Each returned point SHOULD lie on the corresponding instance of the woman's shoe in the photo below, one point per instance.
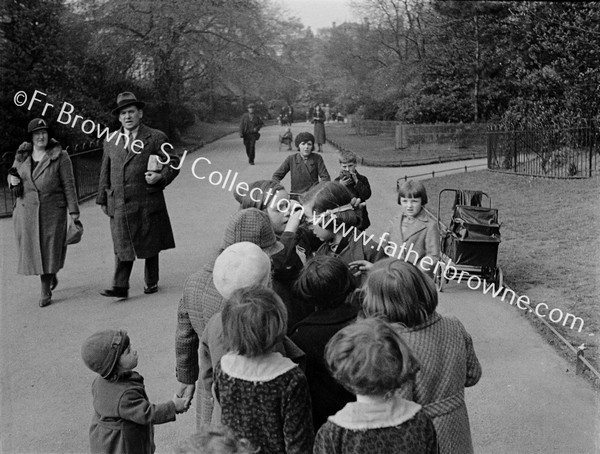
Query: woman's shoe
(46, 299)
(54, 282)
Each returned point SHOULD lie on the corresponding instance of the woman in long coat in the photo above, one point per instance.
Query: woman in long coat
(319, 122)
(45, 190)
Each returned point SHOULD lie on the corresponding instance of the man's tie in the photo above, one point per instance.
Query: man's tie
(129, 141)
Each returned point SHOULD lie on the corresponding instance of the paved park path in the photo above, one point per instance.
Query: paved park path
(528, 400)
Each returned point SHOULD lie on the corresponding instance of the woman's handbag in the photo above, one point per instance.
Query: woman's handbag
(74, 232)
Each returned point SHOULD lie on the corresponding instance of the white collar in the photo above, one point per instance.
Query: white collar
(133, 132)
(362, 416)
(261, 368)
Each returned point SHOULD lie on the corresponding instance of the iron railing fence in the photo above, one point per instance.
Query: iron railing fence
(86, 159)
(555, 153)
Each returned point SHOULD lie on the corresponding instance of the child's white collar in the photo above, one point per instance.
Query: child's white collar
(363, 416)
(262, 368)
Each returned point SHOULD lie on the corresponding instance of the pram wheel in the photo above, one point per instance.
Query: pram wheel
(439, 280)
(498, 277)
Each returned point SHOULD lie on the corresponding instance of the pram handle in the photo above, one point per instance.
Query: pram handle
(456, 192)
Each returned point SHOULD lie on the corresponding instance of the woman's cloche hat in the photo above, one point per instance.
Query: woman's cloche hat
(36, 124)
(101, 351)
(127, 99)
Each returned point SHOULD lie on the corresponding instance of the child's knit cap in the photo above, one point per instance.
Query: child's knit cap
(254, 226)
(304, 137)
(101, 351)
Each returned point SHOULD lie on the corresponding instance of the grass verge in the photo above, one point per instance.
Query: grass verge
(550, 245)
(201, 133)
(379, 150)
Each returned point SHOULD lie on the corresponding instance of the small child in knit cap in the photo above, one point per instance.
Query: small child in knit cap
(123, 416)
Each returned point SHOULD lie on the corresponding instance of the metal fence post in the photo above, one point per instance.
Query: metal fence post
(579, 366)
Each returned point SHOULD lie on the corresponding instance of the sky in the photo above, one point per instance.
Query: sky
(319, 13)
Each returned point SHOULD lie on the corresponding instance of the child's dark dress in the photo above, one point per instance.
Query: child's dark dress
(123, 417)
(396, 426)
(265, 400)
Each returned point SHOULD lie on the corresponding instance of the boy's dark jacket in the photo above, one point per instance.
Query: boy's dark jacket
(362, 190)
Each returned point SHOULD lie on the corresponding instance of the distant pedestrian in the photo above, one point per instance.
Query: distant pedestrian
(249, 131)
(306, 168)
(398, 292)
(123, 416)
(130, 193)
(318, 120)
(44, 193)
(371, 360)
(287, 115)
(327, 110)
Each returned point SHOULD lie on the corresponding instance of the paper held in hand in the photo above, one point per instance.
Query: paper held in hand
(153, 164)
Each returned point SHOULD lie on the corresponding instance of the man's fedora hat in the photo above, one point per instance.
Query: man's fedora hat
(127, 99)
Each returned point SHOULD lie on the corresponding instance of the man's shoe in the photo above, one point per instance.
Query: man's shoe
(151, 289)
(45, 300)
(115, 292)
(251, 163)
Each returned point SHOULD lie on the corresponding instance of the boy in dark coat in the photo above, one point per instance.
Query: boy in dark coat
(305, 167)
(123, 417)
(357, 184)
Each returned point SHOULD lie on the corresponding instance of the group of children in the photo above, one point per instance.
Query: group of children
(381, 372)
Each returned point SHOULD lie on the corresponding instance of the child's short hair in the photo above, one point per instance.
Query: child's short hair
(305, 137)
(254, 321)
(398, 292)
(328, 196)
(325, 282)
(347, 157)
(370, 358)
(215, 440)
(412, 189)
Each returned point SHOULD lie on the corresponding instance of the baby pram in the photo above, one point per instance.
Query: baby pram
(470, 243)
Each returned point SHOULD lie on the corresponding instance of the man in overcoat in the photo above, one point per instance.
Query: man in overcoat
(137, 165)
(249, 131)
